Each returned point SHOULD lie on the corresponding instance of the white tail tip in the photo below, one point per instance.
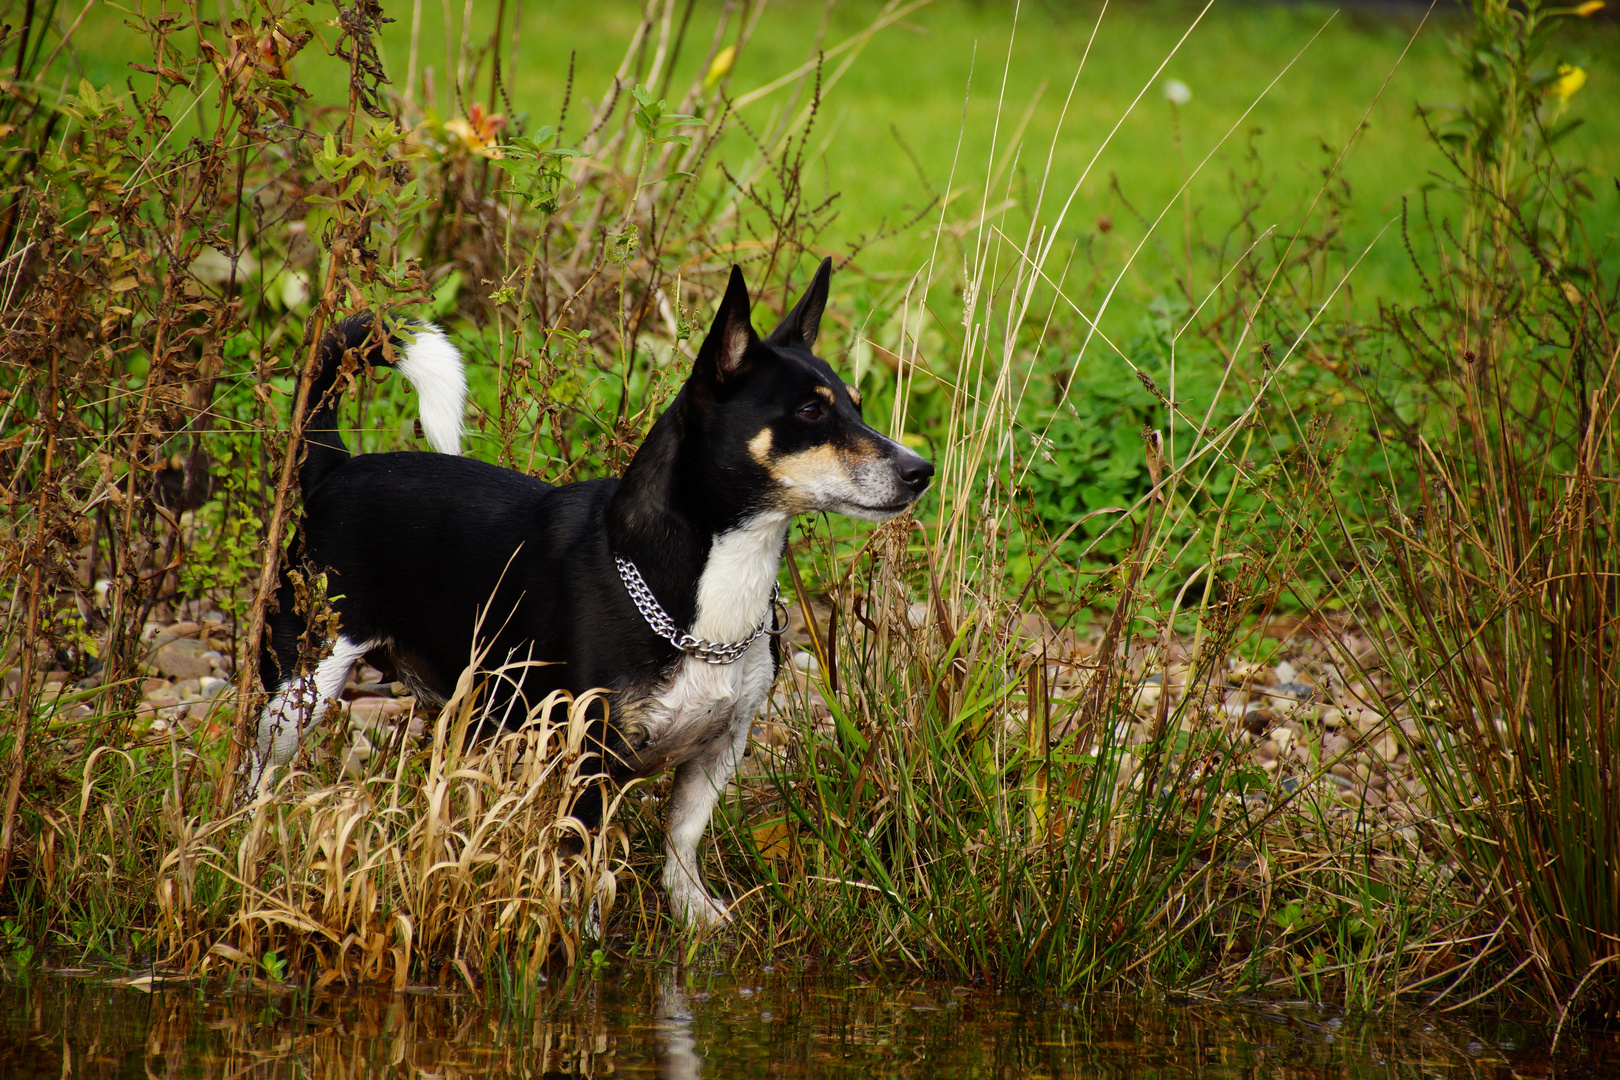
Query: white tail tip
(433, 366)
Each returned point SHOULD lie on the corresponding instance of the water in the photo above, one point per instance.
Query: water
(650, 1022)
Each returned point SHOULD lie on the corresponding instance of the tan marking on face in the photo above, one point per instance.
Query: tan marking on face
(808, 475)
(826, 394)
(854, 395)
(760, 446)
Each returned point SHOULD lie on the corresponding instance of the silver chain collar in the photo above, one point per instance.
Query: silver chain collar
(710, 652)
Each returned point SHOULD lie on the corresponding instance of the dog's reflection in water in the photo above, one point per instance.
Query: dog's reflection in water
(676, 1047)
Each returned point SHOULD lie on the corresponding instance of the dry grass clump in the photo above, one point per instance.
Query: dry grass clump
(445, 862)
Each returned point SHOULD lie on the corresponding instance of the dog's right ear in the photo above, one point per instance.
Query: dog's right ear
(724, 353)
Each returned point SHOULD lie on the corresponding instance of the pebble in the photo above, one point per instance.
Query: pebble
(183, 658)
(213, 686)
(806, 662)
(1243, 674)
(772, 734)
(1365, 720)
(917, 615)
(1147, 696)
(355, 757)
(1296, 691)
(1286, 672)
(1386, 748)
(173, 632)
(371, 713)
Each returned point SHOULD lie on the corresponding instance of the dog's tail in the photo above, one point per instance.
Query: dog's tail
(420, 352)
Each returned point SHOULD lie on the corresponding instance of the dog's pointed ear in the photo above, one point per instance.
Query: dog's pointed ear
(724, 353)
(803, 323)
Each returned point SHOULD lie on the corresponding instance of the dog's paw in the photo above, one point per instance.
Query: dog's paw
(695, 909)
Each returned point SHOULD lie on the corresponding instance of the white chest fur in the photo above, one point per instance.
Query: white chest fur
(706, 702)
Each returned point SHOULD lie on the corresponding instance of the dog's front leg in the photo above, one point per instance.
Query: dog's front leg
(698, 784)
(296, 708)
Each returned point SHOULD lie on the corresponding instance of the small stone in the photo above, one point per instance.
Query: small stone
(174, 632)
(219, 661)
(153, 686)
(1386, 748)
(182, 658)
(355, 757)
(188, 689)
(917, 615)
(1283, 737)
(1267, 753)
(806, 662)
(1334, 746)
(774, 735)
(212, 686)
(1293, 691)
(1365, 720)
(1243, 674)
(1259, 721)
(371, 713)
(1286, 672)
(1332, 718)
(1147, 696)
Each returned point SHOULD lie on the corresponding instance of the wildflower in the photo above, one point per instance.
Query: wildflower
(478, 131)
(1176, 92)
(1570, 79)
(1588, 9)
(721, 65)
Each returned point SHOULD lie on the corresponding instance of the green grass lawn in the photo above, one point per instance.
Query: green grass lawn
(937, 104)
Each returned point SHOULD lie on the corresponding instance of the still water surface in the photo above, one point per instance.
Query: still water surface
(653, 1022)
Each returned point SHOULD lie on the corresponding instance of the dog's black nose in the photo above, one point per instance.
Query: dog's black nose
(915, 472)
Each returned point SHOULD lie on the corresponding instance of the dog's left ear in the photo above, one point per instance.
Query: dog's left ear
(724, 353)
(803, 323)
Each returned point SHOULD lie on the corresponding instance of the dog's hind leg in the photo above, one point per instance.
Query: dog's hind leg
(297, 706)
(698, 784)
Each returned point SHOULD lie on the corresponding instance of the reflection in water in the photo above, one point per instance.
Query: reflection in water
(658, 1022)
(677, 1047)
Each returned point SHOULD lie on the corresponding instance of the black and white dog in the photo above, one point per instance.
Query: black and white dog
(657, 586)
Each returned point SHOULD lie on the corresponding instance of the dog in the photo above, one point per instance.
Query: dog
(657, 587)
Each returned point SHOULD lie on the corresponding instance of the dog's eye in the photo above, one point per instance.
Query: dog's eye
(813, 410)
